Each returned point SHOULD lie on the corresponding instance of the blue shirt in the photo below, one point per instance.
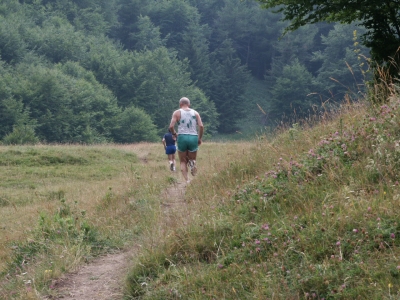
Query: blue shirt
(169, 139)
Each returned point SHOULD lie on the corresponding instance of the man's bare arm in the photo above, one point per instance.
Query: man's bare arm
(201, 127)
(174, 119)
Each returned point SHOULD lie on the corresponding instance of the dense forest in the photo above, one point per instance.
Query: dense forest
(93, 71)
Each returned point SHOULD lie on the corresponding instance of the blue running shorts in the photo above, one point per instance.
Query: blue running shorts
(170, 149)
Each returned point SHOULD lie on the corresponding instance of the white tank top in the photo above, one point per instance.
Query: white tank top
(188, 122)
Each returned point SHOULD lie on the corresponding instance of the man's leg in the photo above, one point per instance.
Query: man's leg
(192, 162)
(183, 163)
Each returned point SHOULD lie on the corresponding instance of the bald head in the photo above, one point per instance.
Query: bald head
(184, 101)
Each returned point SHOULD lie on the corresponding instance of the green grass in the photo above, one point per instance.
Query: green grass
(310, 214)
(64, 204)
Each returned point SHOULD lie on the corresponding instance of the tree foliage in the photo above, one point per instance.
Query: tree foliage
(290, 94)
(380, 18)
(134, 125)
(229, 83)
(95, 71)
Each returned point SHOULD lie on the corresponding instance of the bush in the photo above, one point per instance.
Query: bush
(21, 135)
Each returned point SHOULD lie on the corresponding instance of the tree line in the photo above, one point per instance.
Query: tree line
(113, 70)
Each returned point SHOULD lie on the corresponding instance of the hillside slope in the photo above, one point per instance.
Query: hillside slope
(310, 214)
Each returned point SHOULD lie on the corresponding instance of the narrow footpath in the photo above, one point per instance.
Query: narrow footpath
(104, 277)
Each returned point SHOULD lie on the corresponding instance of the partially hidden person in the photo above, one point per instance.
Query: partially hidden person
(170, 148)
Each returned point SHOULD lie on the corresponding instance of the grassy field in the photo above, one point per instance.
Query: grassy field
(62, 205)
(309, 213)
(312, 213)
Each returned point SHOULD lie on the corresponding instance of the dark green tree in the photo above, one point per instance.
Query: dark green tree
(172, 17)
(67, 108)
(208, 10)
(158, 82)
(343, 63)
(251, 30)
(133, 126)
(290, 93)
(92, 16)
(195, 48)
(229, 82)
(295, 45)
(14, 116)
(57, 40)
(380, 18)
(148, 36)
(128, 13)
(12, 44)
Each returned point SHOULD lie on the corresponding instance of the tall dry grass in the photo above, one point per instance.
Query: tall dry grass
(310, 213)
(116, 191)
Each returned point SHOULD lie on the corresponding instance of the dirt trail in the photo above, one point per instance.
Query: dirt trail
(103, 278)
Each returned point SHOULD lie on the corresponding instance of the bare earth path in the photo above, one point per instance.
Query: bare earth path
(103, 278)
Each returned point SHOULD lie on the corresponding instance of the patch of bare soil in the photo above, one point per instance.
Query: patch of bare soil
(103, 278)
(100, 279)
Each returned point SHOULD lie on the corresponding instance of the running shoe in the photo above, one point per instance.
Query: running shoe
(172, 167)
(193, 167)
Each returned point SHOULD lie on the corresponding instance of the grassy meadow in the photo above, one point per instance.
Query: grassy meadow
(311, 212)
(62, 205)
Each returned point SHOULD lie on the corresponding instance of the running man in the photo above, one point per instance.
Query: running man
(189, 139)
(170, 148)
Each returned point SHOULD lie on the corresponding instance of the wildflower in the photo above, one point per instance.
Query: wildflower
(257, 242)
(355, 230)
(398, 268)
(243, 244)
(265, 227)
(220, 266)
(258, 249)
(338, 243)
(392, 236)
